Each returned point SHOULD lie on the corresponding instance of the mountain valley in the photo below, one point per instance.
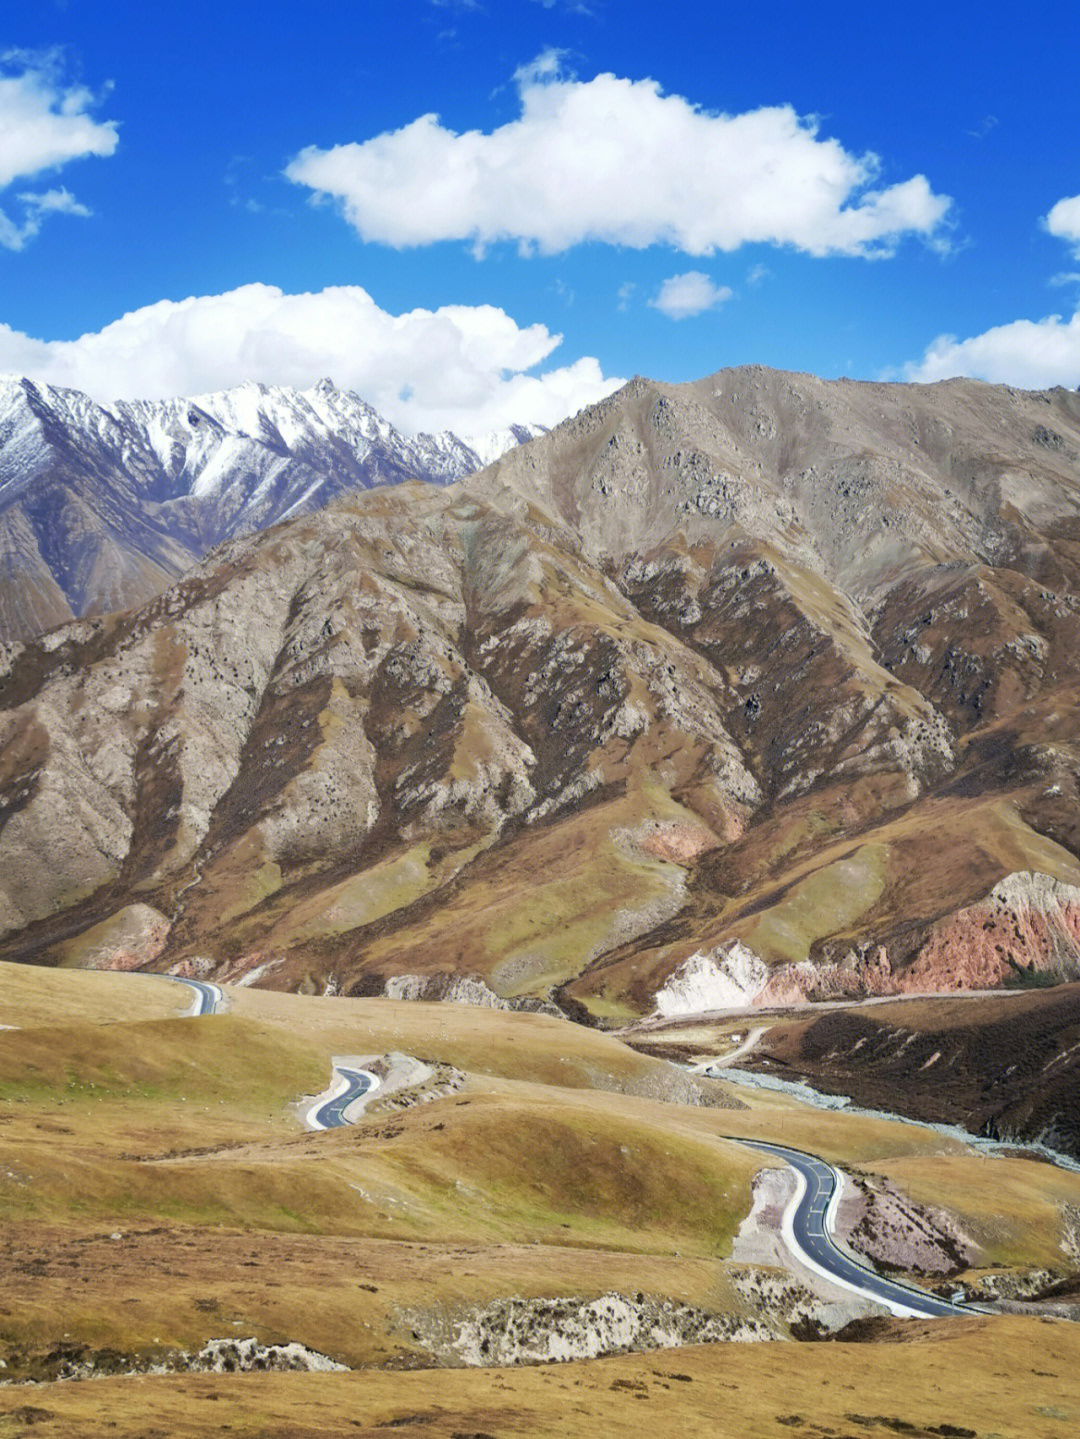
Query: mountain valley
(721, 740)
(569, 1230)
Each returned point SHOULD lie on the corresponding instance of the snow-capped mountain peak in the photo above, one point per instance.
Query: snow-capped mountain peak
(492, 446)
(102, 505)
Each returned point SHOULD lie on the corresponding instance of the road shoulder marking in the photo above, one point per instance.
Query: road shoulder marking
(787, 1230)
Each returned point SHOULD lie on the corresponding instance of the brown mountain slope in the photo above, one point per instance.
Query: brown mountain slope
(1007, 1066)
(761, 687)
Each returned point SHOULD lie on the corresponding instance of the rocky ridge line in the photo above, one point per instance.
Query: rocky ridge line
(103, 506)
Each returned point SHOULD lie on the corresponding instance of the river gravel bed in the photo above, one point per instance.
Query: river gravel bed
(807, 1094)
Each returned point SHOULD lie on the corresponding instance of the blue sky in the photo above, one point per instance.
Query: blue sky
(670, 188)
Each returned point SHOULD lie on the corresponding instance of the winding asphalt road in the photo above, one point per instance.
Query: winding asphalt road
(808, 1222)
(331, 1114)
(207, 996)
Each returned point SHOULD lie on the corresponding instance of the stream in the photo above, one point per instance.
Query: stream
(806, 1094)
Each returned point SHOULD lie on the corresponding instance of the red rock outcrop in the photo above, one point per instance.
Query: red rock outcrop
(679, 843)
(1029, 924)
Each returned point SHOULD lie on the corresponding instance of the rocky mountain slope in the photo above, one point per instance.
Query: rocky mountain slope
(762, 687)
(103, 506)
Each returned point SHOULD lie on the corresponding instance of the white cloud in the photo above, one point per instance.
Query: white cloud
(572, 7)
(691, 294)
(983, 128)
(54, 202)
(1064, 222)
(618, 161)
(35, 206)
(1031, 354)
(44, 125)
(467, 368)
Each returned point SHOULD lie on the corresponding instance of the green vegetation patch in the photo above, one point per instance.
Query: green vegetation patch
(827, 902)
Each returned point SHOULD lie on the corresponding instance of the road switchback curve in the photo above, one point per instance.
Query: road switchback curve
(809, 1224)
(208, 997)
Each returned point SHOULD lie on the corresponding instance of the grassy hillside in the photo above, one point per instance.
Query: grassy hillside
(968, 1379)
(157, 1191)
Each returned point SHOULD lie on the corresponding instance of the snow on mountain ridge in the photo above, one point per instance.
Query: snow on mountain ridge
(139, 490)
(492, 446)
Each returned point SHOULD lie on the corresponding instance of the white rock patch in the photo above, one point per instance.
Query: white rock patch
(728, 977)
(241, 1356)
(468, 990)
(550, 1331)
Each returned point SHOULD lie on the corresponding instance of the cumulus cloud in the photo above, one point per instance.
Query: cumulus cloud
(1064, 222)
(618, 161)
(1031, 354)
(45, 123)
(467, 368)
(691, 294)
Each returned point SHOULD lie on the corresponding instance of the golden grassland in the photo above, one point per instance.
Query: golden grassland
(30, 996)
(178, 1137)
(996, 1379)
(160, 1288)
(156, 1190)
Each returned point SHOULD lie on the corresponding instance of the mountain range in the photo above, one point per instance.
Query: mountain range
(746, 691)
(103, 506)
